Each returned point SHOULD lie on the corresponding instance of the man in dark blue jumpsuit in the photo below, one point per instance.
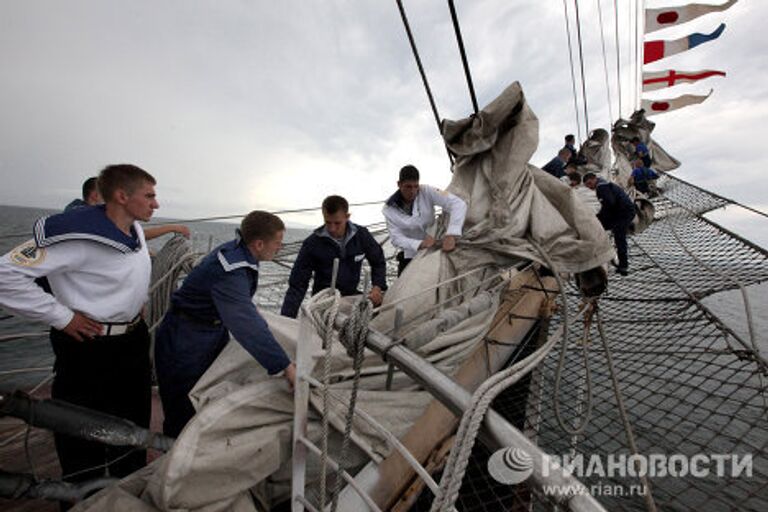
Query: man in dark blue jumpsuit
(337, 238)
(216, 299)
(616, 213)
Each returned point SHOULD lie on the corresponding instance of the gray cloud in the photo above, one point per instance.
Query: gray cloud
(236, 105)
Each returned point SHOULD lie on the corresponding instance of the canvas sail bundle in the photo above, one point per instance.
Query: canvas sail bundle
(239, 443)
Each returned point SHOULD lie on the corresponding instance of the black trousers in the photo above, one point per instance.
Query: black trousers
(402, 262)
(110, 375)
(619, 228)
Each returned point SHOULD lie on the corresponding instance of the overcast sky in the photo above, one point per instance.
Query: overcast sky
(238, 105)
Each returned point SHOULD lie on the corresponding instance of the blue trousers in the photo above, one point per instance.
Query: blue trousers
(184, 350)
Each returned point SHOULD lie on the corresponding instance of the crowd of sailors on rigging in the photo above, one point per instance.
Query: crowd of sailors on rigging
(616, 208)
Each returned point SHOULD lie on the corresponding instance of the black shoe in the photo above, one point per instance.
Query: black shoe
(622, 270)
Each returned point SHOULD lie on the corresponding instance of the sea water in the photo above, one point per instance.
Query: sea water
(32, 352)
(25, 362)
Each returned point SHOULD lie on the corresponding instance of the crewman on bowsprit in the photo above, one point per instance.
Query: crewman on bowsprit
(216, 299)
(643, 178)
(616, 213)
(641, 151)
(98, 267)
(411, 210)
(337, 238)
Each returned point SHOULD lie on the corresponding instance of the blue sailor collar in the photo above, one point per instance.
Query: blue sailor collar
(351, 231)
(234, 254)
(85, 223)
(395, 200)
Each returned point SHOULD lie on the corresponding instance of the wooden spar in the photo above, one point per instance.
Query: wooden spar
(437, 423)
(393, 476)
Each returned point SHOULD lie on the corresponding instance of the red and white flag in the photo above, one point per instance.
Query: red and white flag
(656, 19)
(652, 107)
(655, 80)
(655, 50)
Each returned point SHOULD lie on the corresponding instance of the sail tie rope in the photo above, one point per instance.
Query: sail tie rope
(650, 504)
(353, 335)
(323, 308)
(564, 347)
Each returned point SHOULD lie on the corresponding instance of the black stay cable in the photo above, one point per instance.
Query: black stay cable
(460, 41)
(618, 49)
(421, 70)
(573, 73)
(581, 61)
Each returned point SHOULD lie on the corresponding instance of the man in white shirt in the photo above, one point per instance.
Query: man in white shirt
(411, 210)
(98, 267)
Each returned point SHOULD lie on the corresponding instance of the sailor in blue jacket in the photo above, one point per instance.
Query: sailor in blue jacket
(641, 151)
(616, 213)
(216, 299)
(643, 178)
(337, 238)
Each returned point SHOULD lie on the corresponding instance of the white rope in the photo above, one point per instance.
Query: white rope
(353, 335)
(482, 398)
(472, 419)
(323, 307)
(648, 496)
(563, 348)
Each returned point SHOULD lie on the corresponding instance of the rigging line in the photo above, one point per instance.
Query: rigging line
(277, 212)
(581, 62)
(573, 73)
(631, 53)
(423, 74)
(639, 32)
(221, 217)
(618, 49)
(605, 63)
(463, 53)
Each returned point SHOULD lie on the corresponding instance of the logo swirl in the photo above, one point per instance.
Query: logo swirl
(510, 465)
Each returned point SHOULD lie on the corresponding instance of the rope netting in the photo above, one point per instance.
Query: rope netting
(693, 390)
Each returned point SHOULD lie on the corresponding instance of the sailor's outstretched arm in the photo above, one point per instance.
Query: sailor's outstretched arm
(151, 232)
(232, 298)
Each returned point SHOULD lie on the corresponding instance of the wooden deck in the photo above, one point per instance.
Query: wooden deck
(42, 460)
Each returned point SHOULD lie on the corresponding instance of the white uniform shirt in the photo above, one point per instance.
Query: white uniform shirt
(99, 281)
(407, 231)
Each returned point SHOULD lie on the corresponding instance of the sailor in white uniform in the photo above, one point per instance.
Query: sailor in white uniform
(411, 210)
(96, 261)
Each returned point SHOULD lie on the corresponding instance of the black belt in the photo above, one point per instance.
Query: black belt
(195, 318)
